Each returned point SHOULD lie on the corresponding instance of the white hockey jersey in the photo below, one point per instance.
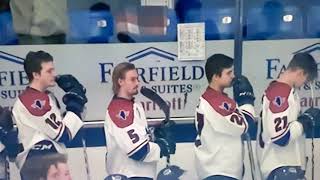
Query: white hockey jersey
(220, 124)
(38, 118)
(280, 137)
(129, 150)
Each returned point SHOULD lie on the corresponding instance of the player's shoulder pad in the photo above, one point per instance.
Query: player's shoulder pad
(121, 112)
(219, 102)
(36, 102)
(278, 94)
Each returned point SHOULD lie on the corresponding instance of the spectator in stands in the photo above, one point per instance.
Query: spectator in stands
(40, 22)
(142, 24)
(124, 17)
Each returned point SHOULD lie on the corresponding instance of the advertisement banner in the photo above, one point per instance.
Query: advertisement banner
(180, 83)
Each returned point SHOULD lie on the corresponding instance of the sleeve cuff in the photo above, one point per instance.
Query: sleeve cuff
(73, 122)
(296, 129)
(249, 108)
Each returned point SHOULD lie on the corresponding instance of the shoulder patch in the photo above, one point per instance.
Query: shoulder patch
(121, 112)
(278, 94)
(219, 102)
(36, 102)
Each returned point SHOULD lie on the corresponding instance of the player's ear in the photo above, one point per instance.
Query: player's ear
(36, 75)
(120, 81)
(300, 73)
(214, 77)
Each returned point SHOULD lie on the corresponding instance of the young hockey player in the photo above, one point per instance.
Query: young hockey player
(129, 149)
(42, 128)
(281, 138)
(220, 122)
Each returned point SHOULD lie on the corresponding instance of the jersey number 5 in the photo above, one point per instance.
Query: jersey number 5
(133, 136)
(281, 123)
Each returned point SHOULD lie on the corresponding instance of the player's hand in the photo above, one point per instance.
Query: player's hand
(13, 148)
(167, 146)
(243, 91)
(75, 99)
(310, 118)
(167, 124)
(8, 136)
(165, 130)
(6, 122)
(67, 82)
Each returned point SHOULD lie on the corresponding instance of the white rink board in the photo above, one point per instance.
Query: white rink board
(184, 158)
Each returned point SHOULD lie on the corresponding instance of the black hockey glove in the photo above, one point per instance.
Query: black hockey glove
(167, 146)
(310, 118)
(6, 122)
(13, 147)
(243, 91)
(75, 99)
(8, 136)
(165, 130)
(67, 82)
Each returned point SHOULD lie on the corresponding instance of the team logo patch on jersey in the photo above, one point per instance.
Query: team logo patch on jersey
(38, 104)
(123, 114)
(225, 106)
(278, 101)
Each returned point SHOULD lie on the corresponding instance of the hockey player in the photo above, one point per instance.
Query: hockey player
(281, 146)
(42, 128)
(129, 149)
(52, 167)
(220, 121)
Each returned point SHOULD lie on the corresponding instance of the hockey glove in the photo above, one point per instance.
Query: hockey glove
(6, 122)
(8, 136)
(67, 82)
(167, 146)
(310, 118)
(75, 99)
(165, 130)
(12, 145)
(243, 91)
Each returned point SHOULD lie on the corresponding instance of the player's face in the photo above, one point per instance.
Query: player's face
(130, 83)
(52, 173)
(301, 78)
(226, 78)
(47, 75)
(63, 172)
(59, 172)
